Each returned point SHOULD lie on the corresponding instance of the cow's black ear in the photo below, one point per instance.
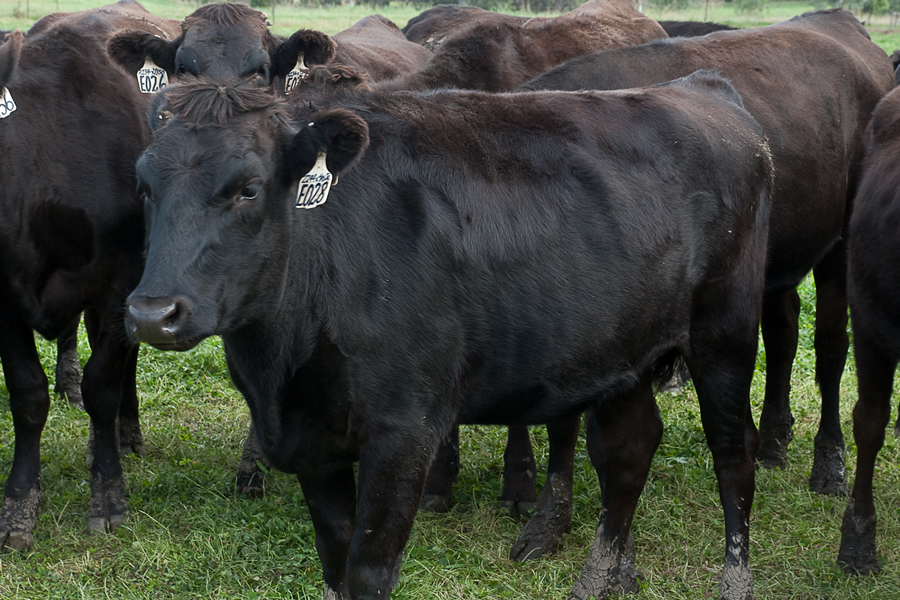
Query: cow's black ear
(9, 55)
(318, 49)
(342, 134)
(131, 48)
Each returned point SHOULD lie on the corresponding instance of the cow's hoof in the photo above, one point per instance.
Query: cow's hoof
(108, 524)
(607, 570)
(435, 503)
(774, 438)
(131, 440)
(518, 510)
(858, 555)
(68, 379)
(828, 474)
(18, 518)
(897, 431)
(551, 521)
(16, 541)
(250, 483)
(108, 508)
(737, 581)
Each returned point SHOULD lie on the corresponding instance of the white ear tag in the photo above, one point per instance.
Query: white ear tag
(151, 78)
(7, 105)
(297, 74)
(314, 186)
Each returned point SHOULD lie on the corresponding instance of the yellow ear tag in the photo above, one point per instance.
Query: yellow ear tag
(7, 105)
(314, 186)
(151, 78)
(297, 74)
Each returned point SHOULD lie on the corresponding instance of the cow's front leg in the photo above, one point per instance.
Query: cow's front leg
(29, 402)
(392, 471)
(331, 498)
(622, 435)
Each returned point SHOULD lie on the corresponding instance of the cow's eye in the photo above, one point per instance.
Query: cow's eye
(249, 193)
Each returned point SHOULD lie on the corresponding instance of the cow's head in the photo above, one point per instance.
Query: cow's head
(223, 42)
(221, 180)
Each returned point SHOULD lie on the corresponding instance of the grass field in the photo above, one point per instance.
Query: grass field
(189, 536)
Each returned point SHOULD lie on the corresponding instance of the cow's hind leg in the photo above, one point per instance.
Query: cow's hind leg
(29, 403)
(553, 517)
(779, 330)
(832, 343)
(722, 371)
(250, 477)
(443, 473)
(622, 435)
(519, 493)
(875, 373)
(68, 369)
(106, 374)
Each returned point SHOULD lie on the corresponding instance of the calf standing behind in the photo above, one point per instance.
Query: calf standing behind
(874, 290)
(510, 258)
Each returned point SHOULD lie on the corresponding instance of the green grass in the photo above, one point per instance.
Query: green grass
(188, 536)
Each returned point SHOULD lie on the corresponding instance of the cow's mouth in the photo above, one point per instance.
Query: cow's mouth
(179, 346)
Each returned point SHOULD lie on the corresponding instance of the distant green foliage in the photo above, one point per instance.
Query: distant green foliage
(861, 7)
(750, 7)
(670, 5)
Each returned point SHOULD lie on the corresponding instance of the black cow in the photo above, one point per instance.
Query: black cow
(71, 225)
(497, 52)
(510, 258)
(692, 28)
(812, 82)
(874, 290)
(224, 41)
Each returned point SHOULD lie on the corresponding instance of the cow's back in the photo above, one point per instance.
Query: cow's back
(377, 46)
(811, 82)
(499, 54)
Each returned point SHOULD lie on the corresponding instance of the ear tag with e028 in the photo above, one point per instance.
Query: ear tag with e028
(314, 186)
(296, 75)
(151, 78)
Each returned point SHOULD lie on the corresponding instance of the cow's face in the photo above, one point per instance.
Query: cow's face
(220, 181)
(224, 42)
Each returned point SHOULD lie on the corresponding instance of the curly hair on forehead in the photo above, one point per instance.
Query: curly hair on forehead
(200, 100)
(224, 13)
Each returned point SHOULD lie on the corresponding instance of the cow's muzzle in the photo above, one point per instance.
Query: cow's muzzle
(160, 322)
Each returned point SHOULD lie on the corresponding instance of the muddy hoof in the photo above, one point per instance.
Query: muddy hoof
(858, 555)
(773, 455)
(828, 474)
(551, 521)
(608, 569)
(435, 503)
(775, 434)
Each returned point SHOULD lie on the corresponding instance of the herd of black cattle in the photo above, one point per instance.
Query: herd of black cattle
(395, 232)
